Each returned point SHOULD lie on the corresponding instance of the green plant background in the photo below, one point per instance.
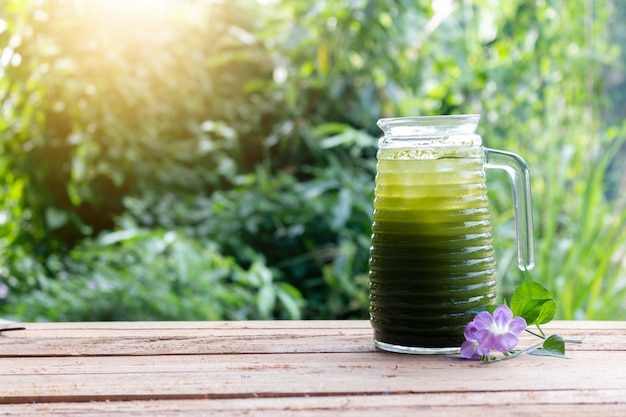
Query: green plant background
(206, 160)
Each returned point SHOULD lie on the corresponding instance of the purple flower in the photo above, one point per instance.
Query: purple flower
(488, 332)
(471, 348)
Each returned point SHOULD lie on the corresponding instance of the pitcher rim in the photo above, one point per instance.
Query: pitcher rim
(414, 125)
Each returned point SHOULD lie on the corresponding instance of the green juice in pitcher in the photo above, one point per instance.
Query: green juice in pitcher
(432, 256)
(432, 263)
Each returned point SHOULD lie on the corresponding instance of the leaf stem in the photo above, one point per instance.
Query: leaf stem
(540, 331)
(543, 336)
(9, 329)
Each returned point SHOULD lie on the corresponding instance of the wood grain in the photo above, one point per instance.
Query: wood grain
(293, 368)
(562, 403)
(163, 338)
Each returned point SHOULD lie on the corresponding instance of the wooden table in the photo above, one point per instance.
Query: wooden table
(301, 368)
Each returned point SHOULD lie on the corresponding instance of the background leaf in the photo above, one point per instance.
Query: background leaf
(255, 135)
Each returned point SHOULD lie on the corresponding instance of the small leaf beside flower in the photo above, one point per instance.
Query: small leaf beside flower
(552, 346)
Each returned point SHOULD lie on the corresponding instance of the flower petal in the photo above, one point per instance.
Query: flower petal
(485, 337)
(468, 350)
(483, 350)
(517, 325)
(470, 331)
(502, 316)
(483, 320)
(505, 342)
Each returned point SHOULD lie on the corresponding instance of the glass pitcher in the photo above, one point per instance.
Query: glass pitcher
(432, 262)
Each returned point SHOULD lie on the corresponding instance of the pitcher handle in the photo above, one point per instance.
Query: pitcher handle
(517, 169)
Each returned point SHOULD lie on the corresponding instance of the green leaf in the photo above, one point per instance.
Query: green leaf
(552, 346)
(290, 297)
(342, 210)
(555, 344)
(266, 301)
(533, 302)
(56, 218)
(547, 312)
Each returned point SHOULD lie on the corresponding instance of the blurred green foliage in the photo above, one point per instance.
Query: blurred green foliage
(215, 159)
(142, 275)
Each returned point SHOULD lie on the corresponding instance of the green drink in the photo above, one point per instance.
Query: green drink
(432, 261)
(432, 256)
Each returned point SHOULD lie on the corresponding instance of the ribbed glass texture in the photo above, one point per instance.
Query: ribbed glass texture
(432, 257)
(432, 264)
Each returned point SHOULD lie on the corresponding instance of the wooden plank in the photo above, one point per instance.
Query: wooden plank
(293, 368)
(275, 324)
(112, 326)
(25, 380)
(166, 342)
(608, 403)
(70, 339)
